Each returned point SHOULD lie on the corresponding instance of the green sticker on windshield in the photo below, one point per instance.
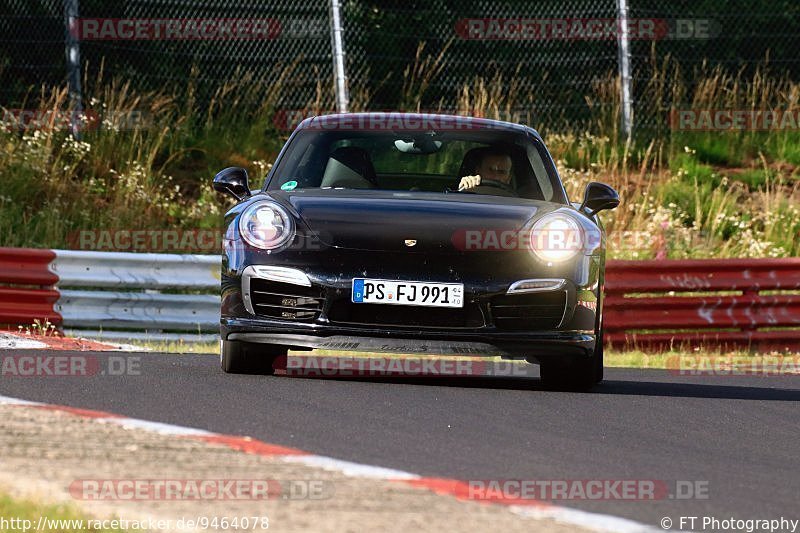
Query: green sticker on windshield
(289, 185)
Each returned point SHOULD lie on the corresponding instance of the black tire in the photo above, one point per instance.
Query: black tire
(238, 357)
(575, 374)
(599, 364)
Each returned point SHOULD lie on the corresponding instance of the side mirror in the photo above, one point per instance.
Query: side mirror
(232, 181)
(597, 197)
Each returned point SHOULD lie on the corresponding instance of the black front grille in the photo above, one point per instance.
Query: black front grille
(285, 300)
(346, 312)
(534, 311)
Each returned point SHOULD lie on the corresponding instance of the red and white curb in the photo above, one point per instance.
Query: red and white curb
(445, 487)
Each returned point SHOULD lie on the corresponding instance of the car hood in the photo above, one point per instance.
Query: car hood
(386, 220)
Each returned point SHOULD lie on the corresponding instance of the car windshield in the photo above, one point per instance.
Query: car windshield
(509, 163)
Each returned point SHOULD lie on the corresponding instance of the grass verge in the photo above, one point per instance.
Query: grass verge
(61, 518)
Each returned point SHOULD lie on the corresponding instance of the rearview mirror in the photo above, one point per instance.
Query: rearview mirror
(597, 197)
(232, 181)
(421, 145)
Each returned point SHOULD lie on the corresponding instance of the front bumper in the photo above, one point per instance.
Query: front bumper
(335, 325)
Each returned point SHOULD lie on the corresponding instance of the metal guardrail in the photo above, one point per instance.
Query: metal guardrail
(113, 309)
(130, 270)
(26, 286)
(658, 304)
(70, 289)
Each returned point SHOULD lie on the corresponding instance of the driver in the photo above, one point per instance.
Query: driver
(493, 167)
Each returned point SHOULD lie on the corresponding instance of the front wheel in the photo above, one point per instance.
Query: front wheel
(569, 375)
(239, 357)
(576, 374)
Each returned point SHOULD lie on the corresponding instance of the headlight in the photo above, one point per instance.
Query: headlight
(556, 237)
(266, 225)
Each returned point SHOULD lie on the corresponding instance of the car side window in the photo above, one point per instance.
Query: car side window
(306, 164)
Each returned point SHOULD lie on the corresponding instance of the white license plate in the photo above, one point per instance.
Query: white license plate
(382, 291)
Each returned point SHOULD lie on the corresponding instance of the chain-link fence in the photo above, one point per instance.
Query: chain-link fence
(736, 36)
(477, 57)
(32, 50)
(174, 46)
(547, 63)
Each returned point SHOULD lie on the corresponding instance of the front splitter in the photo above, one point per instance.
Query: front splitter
(577, 347)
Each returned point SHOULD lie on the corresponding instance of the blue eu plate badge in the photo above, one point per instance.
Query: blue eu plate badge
(358, 290)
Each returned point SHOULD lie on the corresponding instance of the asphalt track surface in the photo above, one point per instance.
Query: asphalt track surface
(740, 435)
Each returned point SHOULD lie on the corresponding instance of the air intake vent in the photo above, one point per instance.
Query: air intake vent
(285, 300)
(534, 311)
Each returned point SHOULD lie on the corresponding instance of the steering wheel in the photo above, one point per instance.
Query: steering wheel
(492, 184)
(462, 191)
(495, 185)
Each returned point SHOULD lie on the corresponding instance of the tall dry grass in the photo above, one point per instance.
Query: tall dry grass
(684, 194)
(143, 160)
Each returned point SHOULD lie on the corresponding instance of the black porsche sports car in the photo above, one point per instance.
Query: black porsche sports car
(421, 234)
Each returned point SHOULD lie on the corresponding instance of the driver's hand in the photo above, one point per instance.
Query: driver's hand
(469, 182)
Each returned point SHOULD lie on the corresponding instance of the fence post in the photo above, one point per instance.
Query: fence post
(337, 44)
(624, 65)
(72, 39)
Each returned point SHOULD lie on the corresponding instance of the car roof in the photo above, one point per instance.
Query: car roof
(475, 122)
